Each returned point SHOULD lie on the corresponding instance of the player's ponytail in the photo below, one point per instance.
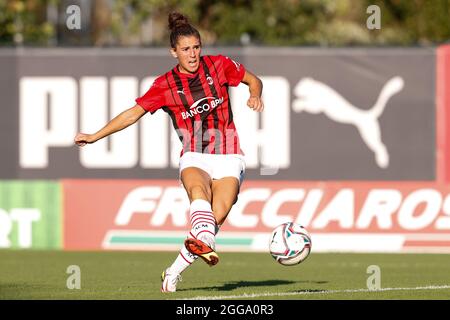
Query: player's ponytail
(179, 26)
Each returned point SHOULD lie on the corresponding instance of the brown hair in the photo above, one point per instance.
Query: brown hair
(179, 26)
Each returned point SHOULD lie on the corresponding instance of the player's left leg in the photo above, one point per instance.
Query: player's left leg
(224, 195)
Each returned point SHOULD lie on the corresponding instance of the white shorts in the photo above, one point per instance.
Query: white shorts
(216, 165)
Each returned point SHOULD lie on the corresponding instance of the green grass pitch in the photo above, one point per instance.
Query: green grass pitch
(30, 274)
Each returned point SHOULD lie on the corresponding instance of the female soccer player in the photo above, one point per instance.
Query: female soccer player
(195, 95)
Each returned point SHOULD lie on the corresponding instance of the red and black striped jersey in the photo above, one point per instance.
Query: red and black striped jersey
(199, 104)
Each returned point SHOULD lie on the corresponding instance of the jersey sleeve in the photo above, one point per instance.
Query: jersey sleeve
(153, 99)
(233, 71)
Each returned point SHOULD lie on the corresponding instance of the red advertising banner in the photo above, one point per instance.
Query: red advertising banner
(341, 216)
(443, 112)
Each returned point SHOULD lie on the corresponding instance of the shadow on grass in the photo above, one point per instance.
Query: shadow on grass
(242, 284)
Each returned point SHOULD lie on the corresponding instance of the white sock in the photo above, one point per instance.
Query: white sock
(183, 261)
(203, 223)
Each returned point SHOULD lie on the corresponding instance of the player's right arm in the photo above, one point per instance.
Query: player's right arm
(120, 122)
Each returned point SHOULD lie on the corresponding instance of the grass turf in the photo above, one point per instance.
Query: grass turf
(136, 275)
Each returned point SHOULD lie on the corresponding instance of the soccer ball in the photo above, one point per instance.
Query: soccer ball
(290, 244)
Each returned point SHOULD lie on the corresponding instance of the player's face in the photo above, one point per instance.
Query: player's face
(187, 52)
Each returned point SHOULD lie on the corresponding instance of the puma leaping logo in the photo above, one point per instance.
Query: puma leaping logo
(315, 97)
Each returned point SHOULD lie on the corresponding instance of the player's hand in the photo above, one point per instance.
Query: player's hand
(81, 139)
(255, 103)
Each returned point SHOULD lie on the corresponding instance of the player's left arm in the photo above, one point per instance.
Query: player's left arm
(255, 87)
